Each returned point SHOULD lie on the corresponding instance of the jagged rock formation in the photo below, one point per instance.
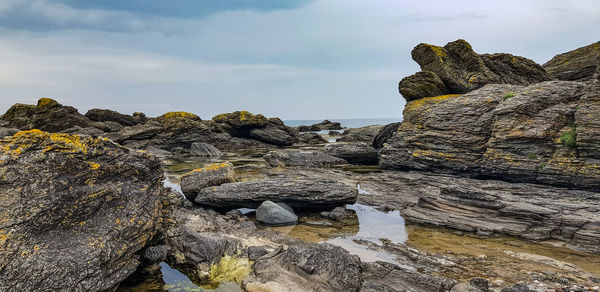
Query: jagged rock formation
(577, 65)
(47, 115)
(106, 115)
(247, 125)
(76, 211)
(456, 68)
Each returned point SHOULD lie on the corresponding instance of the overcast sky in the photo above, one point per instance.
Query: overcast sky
(296, 59)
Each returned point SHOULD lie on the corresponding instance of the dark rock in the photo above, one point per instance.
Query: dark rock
(106, 115)
(303, 128)
(363, 134)
(507, 132)
(301, 158)
(311, 139)
(356, 153)
(108, 126)
(156, 254)
(8, 131)
(246, 125)
(140, 117)
(421, 84)
(339, 214)
(334, 133)
(464, 287)
(577, 65)
(463, 70)
(481, 284)
(241, 119)
(384, 134)
(272, 135)
(327, 125)
(47, 115)
(517, 288)
(205, 150)
(275, 214)
(382, 276)
(100, 202)
(211, 175)
(89, 131)
(299, 193)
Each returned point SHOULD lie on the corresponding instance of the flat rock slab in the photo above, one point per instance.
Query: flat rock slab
(302, 159)
(298, 193)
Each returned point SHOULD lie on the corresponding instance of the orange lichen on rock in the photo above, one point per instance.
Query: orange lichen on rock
(427, 100)
(25, 140)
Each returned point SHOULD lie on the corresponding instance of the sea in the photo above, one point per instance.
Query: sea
(347, 123)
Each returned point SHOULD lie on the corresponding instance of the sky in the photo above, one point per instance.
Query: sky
(294, 59)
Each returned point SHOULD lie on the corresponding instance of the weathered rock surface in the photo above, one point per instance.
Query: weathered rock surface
(384, 134)
(273, 135)
(299, 193)
(542, 133)
(205, 150)
(276, 214)
(302, 158)
(363, 134)
(106, 115)
(311, 139)
(462, 70)
(577, 65)
(356, 153)
(47, 115)
(246, 125)
(328, 125)
(76, 212)
(338, 214)
(211, 175)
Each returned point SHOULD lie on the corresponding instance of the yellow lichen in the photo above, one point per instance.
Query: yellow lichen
(179, 114)
(210, 167)
(427, 100)
(94, 165)
(230, 269)
(24, 140)
(44, 101)
(439, 51)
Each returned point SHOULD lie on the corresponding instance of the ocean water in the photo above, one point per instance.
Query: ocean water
(348, 123)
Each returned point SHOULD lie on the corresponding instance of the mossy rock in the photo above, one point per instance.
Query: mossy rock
(242, 119)
(170, 116)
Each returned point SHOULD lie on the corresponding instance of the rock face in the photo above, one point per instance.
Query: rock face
(299, 193)
(384, 134)
(73, 204)
(205, 150)
(246, 125)
(324, 125)
(301, 158)
(211, 175)
(47, 115)
(275, 214)
(542, 133)
(355, 153)
(461, 70)
(577, 65)
(363, 134)
(311, 139)
(106, 115)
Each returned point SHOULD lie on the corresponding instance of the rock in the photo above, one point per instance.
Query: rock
(140, 117)
(108, 126)
(339, 214)
(421, 84)
(363, 134)
(307, 267)
(481, 284)
(205, 150)
(272, 135)
(577, 65)
(211, 175)
(106, 115)
(384, 134)
(298, 192)
(273, 214)
(541, 133)
(383, 276)
(334, 133)
(47, 115)
(241, 120)
(100, 202)
(464, 287)
(327, 125)
(281, 158)
(517, 288)
(463, 70)
(311, 139)
(356, 153)
(8, 131)
(303, 128)
(89, 131)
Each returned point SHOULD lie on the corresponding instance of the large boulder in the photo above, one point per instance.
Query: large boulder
(247, 125)
(106, 115)
(311, 139)
(281, 158)
(355, 153)
(327, 125)
(210, 175)
(298, 192)
(462, 70)
(205, 150)
(272, 135)
(47, 115)
(275, 214)
(363, 134)
(577, 65)
(76, 211)
(544, 133)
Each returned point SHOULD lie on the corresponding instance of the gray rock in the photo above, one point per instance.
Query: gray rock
(298, 192)
(338, 214)
(8, 131)
(89, 131)
(382, 276)
(577, 65)
(302, 158)
(275, 214)
(272, 135)
(421, 84)
(311, 139)
(464, 287)
(205, 150)
(363, 134)
(210, 175)
(106, 115)
(108, 126)
(355, 153)
(47, 115)
(384, 134)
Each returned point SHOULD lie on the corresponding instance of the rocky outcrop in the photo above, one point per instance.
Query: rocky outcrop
(355, 153)
(208, 176)
(542, 133)
(311, 139)
(276, 214)
(324, 125)
(384, 134)
(319, 193)
(577, 65)
(461, 70)
(76, 211)
(106, 115)
(363, 134)
(281, 158)
(199, 149)
(246, 125)
(47, 115)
